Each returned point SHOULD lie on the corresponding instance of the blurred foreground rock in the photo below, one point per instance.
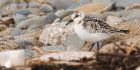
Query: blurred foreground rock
(9, 59)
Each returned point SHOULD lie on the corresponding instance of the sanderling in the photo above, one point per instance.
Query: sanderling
(92, 30)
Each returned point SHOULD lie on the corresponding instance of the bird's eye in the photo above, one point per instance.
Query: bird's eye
(76, 16)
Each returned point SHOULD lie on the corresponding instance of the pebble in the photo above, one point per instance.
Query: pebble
(46, 8)
(61, 4)
(25, 44)
(16, 32)
(33, 21)
(2, 27)
(12, 58)
(57, 48)
(114, 20)
(105, 2)
(23, 12)
(91, 7)
(73, 42)
(55, 33)
(18, 18)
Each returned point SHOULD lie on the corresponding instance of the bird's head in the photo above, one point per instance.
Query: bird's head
(76, 16)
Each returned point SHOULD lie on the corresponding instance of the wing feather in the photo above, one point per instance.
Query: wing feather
(96, 25)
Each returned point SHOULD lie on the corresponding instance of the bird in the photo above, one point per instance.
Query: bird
(91, 29)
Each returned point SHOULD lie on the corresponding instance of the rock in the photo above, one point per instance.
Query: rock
(16, 32)
(125, 3)
(9, 59)
(5, 13)
(28, 53)
(8, 44)
(91, 7)
(55, 33)
(73, 42)
(25, 44)
(35, 11)
(32, 16)
(64, 60)
(128, 45)
(67, 56)
(7, 21)
(133, 6)
(84, 1)
(107, 2)
(2, 27)
(134, 14)
(61, 4)
(29, 39)
(63, 13)
(138, 68)
(17, 5)
(129, 15)
(6, 32)
(97, 15)
(34, 4)
(114, 20)
(56, 48)
(23, 12)
(33, 27)
(46, 8)
(50, 18)
(18, 18)
(33, 21)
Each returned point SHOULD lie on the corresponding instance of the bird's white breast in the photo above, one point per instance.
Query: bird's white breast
(88, 36)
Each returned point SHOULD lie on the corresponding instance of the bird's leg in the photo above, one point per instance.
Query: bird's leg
(91, 47)
(98, 47)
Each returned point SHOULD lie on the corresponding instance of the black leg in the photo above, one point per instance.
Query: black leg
(91, 47)
(98, 47)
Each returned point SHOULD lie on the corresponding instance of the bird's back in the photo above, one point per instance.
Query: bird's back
(97, 25)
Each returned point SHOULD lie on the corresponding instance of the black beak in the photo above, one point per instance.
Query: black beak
(69, 21)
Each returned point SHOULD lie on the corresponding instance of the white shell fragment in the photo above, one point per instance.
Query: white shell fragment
(12, 58)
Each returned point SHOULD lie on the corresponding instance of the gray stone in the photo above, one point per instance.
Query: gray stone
(18, 18)
(105, 2)
(16, 32)
(23, 12)
(34, 5)
(2, 27)
(54, 48)
(114, 20)
(85, 1)
(74, 42)
(12, 58)
(73, 48)
(61, 4)
(28, 53)
(24, 44)
(40, 21)
(125, 3)
(32, 16)
(50, 18)
(133, 15)
(73, 6)
(46, 8)
(97, 15)
(55, 33)
(33, 27)
(63, 13)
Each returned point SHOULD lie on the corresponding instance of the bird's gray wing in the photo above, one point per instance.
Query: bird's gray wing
(96, 25)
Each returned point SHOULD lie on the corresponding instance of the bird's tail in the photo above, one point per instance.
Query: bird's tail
(123, 31)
